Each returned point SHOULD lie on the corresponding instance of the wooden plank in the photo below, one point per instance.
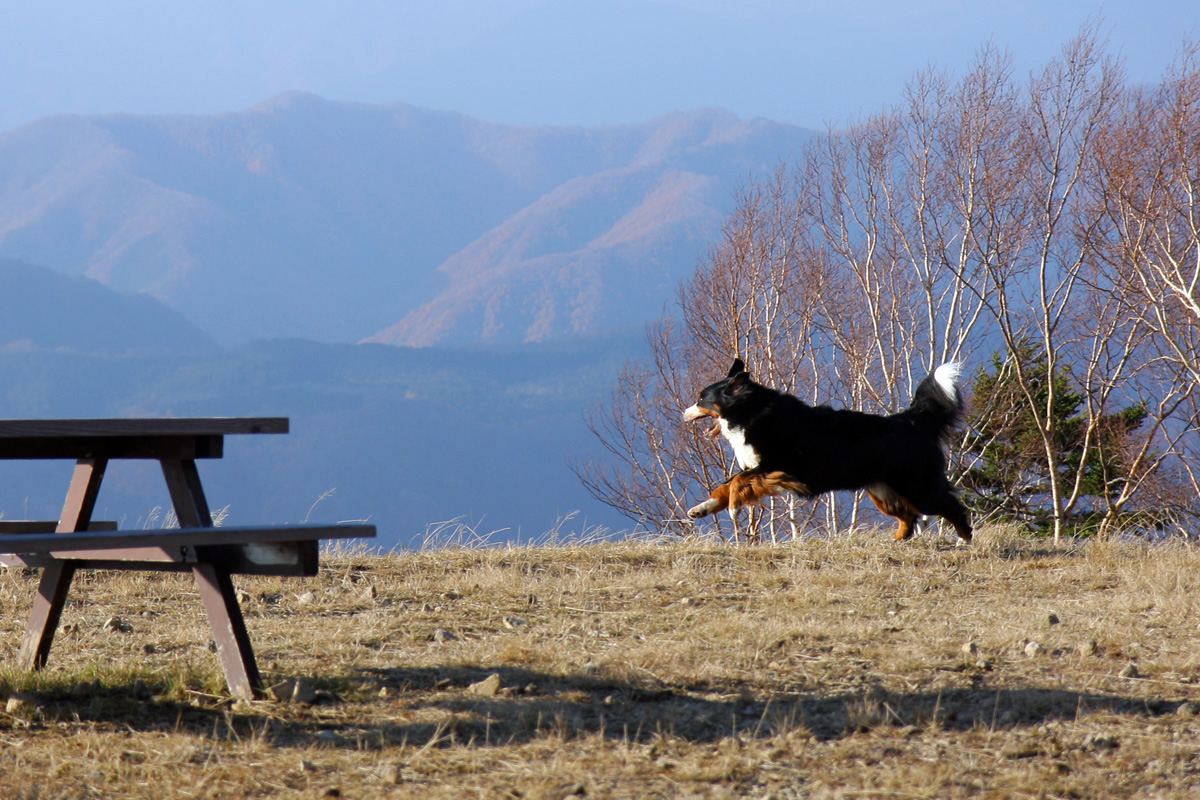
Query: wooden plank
(65, 543)
(282, 559)
(165, 426)
(8, 526)
(146, 446)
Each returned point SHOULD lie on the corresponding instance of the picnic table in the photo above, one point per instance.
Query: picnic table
(75, 541)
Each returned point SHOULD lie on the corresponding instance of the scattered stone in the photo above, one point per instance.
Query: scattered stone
(304, 692)
(971, 649)
(488, 687)
(1099, 741)
(294, 690)
(687, 601)
(23, 704)
(148, 649)
(514, 623)
(1033, 649)
(383, 691)
(282, 691)
(306, 598)
(1091, 648)
(1052, 619)
(442, 635)
(243, 596)
(427, 609)
(1130, 671)
(1188, 709)
(451, 595)
(443, 684)
(984, 665)
(116, 624)
(369, 593)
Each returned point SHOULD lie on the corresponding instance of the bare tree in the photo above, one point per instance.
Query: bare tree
(972, 217)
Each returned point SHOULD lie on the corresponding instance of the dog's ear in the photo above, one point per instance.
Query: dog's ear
(737, 367)
(739, 382)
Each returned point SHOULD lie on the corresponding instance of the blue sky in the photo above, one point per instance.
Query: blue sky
(558, 62)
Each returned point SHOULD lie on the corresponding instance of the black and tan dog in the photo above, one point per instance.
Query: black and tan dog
(783, 444)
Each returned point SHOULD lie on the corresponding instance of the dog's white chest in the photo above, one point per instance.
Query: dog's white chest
(747, 457)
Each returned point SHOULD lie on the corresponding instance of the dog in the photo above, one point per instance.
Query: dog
(784, 444)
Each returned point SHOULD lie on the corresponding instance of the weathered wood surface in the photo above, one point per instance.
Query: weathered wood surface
(62, 545)
(182, 438)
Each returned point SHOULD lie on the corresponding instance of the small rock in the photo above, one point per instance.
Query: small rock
(1130, 671)
(116, 624)
(1099, 741)
(304, 692)
(426, 609)
(514, 623)
(148, 649)
(383, 691)
(451, 595)
(687, 601)
(1052, 619)
(243, 596)
(306, 598)
(1033, 649)
(971, 649)
(984, 664)
(282, 691)
(442, 635)
(488, 687)
(1091, 648)
(1188, 709)
(369, 593)
(23, 704)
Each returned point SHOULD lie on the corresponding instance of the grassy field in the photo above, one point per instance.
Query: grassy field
(856, 667)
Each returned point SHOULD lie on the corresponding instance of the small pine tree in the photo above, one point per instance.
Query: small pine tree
(1008, 474)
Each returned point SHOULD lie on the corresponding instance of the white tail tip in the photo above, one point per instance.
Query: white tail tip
(947, 377)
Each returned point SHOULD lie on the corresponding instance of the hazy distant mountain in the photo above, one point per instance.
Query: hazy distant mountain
(44, 310)
(338, 221)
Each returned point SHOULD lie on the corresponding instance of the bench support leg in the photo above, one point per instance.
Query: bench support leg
(56, 578)
(229, 631)
(216, 588)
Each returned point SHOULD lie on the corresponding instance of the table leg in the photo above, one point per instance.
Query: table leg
(215, 585)
(56, 578)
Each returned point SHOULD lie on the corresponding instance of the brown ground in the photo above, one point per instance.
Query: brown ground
(856, 667)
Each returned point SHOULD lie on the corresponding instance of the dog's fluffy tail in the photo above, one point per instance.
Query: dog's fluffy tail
(937, 405)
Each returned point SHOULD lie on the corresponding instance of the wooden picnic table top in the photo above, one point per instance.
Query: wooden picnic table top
(161, 437)
(159, 426)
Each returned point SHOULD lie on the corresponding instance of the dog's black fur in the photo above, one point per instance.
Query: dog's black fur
(782, 443)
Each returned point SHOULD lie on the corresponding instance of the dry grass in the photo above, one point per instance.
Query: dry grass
(635, 670)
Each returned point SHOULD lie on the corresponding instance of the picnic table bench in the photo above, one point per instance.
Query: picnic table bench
(213, 554)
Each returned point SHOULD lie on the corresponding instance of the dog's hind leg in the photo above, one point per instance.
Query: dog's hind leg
(890, 502)
(943, 503)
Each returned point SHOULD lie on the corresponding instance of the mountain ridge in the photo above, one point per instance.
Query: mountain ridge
(334, 221)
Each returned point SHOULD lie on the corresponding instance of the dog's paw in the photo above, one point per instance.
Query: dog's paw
(704, 509)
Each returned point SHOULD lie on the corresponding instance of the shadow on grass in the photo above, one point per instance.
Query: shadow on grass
(436, 707)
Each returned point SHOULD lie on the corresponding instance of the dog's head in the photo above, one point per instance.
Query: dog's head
(717, 397)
